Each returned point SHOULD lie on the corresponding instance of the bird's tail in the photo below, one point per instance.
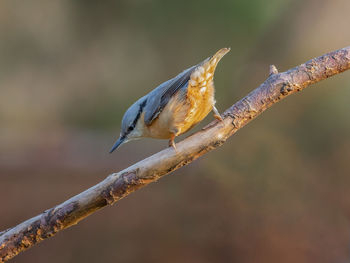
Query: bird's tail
(214, 60)
(204, 72)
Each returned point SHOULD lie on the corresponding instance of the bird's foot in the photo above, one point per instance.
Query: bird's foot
(217, 114)
(218, 117)
(172, 142)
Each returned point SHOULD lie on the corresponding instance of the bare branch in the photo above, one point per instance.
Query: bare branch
(118, 185)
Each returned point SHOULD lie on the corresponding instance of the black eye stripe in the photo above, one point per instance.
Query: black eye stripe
(142, 105)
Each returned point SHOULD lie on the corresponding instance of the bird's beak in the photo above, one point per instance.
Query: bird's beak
(120, 141)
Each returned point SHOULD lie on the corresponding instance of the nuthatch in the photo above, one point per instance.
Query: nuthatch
(175, 106)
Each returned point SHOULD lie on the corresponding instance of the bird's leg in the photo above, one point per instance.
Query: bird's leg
(172, 142)
(217, 114)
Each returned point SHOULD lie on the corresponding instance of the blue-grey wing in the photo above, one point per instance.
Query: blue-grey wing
(159, 97)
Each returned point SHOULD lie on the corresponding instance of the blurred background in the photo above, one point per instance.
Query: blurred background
(279, 190)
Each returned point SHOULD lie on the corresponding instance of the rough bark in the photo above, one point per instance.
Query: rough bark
(118, 185)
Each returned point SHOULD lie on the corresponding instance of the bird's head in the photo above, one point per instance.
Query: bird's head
(130, 130)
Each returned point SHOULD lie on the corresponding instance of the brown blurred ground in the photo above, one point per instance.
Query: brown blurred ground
(278, 191)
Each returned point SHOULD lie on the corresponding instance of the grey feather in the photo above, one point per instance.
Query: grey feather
(158, 98)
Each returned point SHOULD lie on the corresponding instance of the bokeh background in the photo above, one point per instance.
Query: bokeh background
(278, 191)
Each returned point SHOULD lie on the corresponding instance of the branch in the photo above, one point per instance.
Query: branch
(118, 185)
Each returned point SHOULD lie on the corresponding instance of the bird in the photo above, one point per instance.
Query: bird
(175, 106)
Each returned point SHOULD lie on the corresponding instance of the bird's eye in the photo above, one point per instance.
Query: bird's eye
(130, 128)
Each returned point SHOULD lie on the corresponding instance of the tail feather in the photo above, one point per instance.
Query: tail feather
(205, 71)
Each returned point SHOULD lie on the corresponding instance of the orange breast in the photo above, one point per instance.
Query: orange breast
(200, 93)
(201, 100)
(182, 112)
